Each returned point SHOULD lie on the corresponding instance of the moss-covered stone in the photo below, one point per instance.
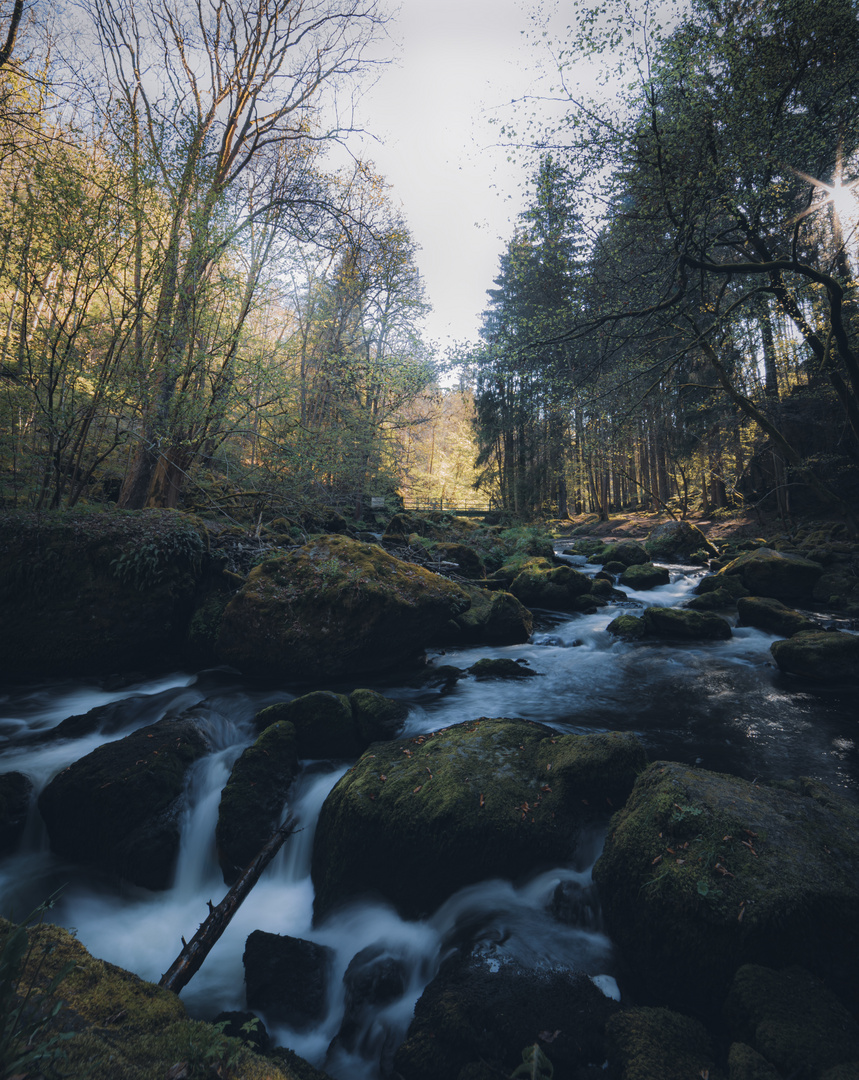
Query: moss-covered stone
(466, 559)
(418, 818)
(89, 592)
(475, 1013)
(494, 618)
(252, 801)
(792, 1019)
(335, 607)
(501, 668)
(376, 717)
(822, 655)
(745, 1063)
(777, 574)
(702, 873)
(15, 792)
(649, 1043)
(627, 627)
(644, 576)
(118, 806)
(729, 583)
(684, 625)
(324, 724)
(679, 541)
(122, 1026)
(715, 600)
(625, 552)
(559, 587)
(772, 615)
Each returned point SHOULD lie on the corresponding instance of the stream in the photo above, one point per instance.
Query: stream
(723, 706)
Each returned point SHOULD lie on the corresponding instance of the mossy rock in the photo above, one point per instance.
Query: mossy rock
(641, 576)
(92, 592)
(252, 801)
(715, 600)
(467, 560)
(649, 1043)
(745, 1063)
(627, 627)
(324, 724)
(376, 717)
(558, 587)
(15, 792)
(792, 1019)
(684, 625)
(418, 818)
(731, 584)
(474, 1013)
(702, 873)
(678, 541)
(623, 552)
(822, 655)
(494, 618)
(335, 607)
(501, 668)
(614, 566)
(118, 806)
(772, 615)
(121, 1026)
(776, 574)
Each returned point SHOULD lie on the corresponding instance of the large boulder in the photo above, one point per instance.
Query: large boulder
(417, 819)
(560, 587)
(494, 618)
(702, 873)
(334, 607)
(252, 801)
(481, 1010)
(15, 792)
(376, 717)
(772, 616)
(118, 806)
(96, 592)
(286, 977)
(323, 722)
(685, 625)
(678, 541)
(622, 552)
(823, 655)
(658, 1044)
(641, 576)
(766, 572)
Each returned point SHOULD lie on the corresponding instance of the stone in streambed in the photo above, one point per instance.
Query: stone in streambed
(823, 655)
(649, 1043)
(416, 819)
(772, 616)
(324, 724)
(494, 618)
(376, 717)
(286, 978)
(252, 801)
(685, 625)
(777, 574)
(643, 576)
(559, 587)
(678, 541)
(502, 668)
(335, 607)
(702, 873)
(15, 792)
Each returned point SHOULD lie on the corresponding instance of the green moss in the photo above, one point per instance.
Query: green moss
(646, 1043)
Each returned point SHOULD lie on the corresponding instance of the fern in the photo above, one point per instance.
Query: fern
(535, 1065)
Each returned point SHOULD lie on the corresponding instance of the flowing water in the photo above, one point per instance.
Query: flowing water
(721, 705)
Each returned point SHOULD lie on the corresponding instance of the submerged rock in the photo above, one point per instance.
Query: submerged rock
(335, 607)
(479, 1010)
(416, 819)
(823, 655)
(702, 873)
(118, 806)
(286, 977)
(252, 801)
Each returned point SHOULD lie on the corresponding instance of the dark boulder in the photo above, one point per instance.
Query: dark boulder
(252, 801)
(772, 616)
(678, 541)
(642, 576)
(823, 655)
(376, 717)
(374, 978)
(657, 1044)
(118, 806)
(494, 618)
(766, 572)
(684, 625)
(15, 792)
(286, 978)
(559, 587)
(502, 668)
(324, 724)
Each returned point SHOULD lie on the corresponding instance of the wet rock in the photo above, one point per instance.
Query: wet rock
(627, 627)
(613, 566)
(702, 873)
(576, 904)
(684, 625)
(118, 806)
(646, 1043)
(824, 655)
(678, 541)
(376, 717)
(731, 584)
(772, 616)
(501, 669)
(15, 792)
(623, 552)
(792, 1019)
(374, 978)
(418, 818)
(715, 600)
(252, 801)
(85, 592)
(324, 723)
(480, 1010)
(559, 587)
(601, 589)
(494, 618)
(335, 607)
(644, 576)
(745, 1063)
(765, 572)
(286, 978)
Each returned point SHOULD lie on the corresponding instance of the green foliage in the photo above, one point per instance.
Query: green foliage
(28, 1011)
(146, 564)
(212, 1053)
(535, 1065)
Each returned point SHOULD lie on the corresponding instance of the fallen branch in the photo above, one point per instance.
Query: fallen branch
(194, 952)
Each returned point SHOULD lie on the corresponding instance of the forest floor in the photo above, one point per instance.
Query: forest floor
(738, 524)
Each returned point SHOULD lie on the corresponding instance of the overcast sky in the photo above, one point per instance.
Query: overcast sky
(459, 63)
